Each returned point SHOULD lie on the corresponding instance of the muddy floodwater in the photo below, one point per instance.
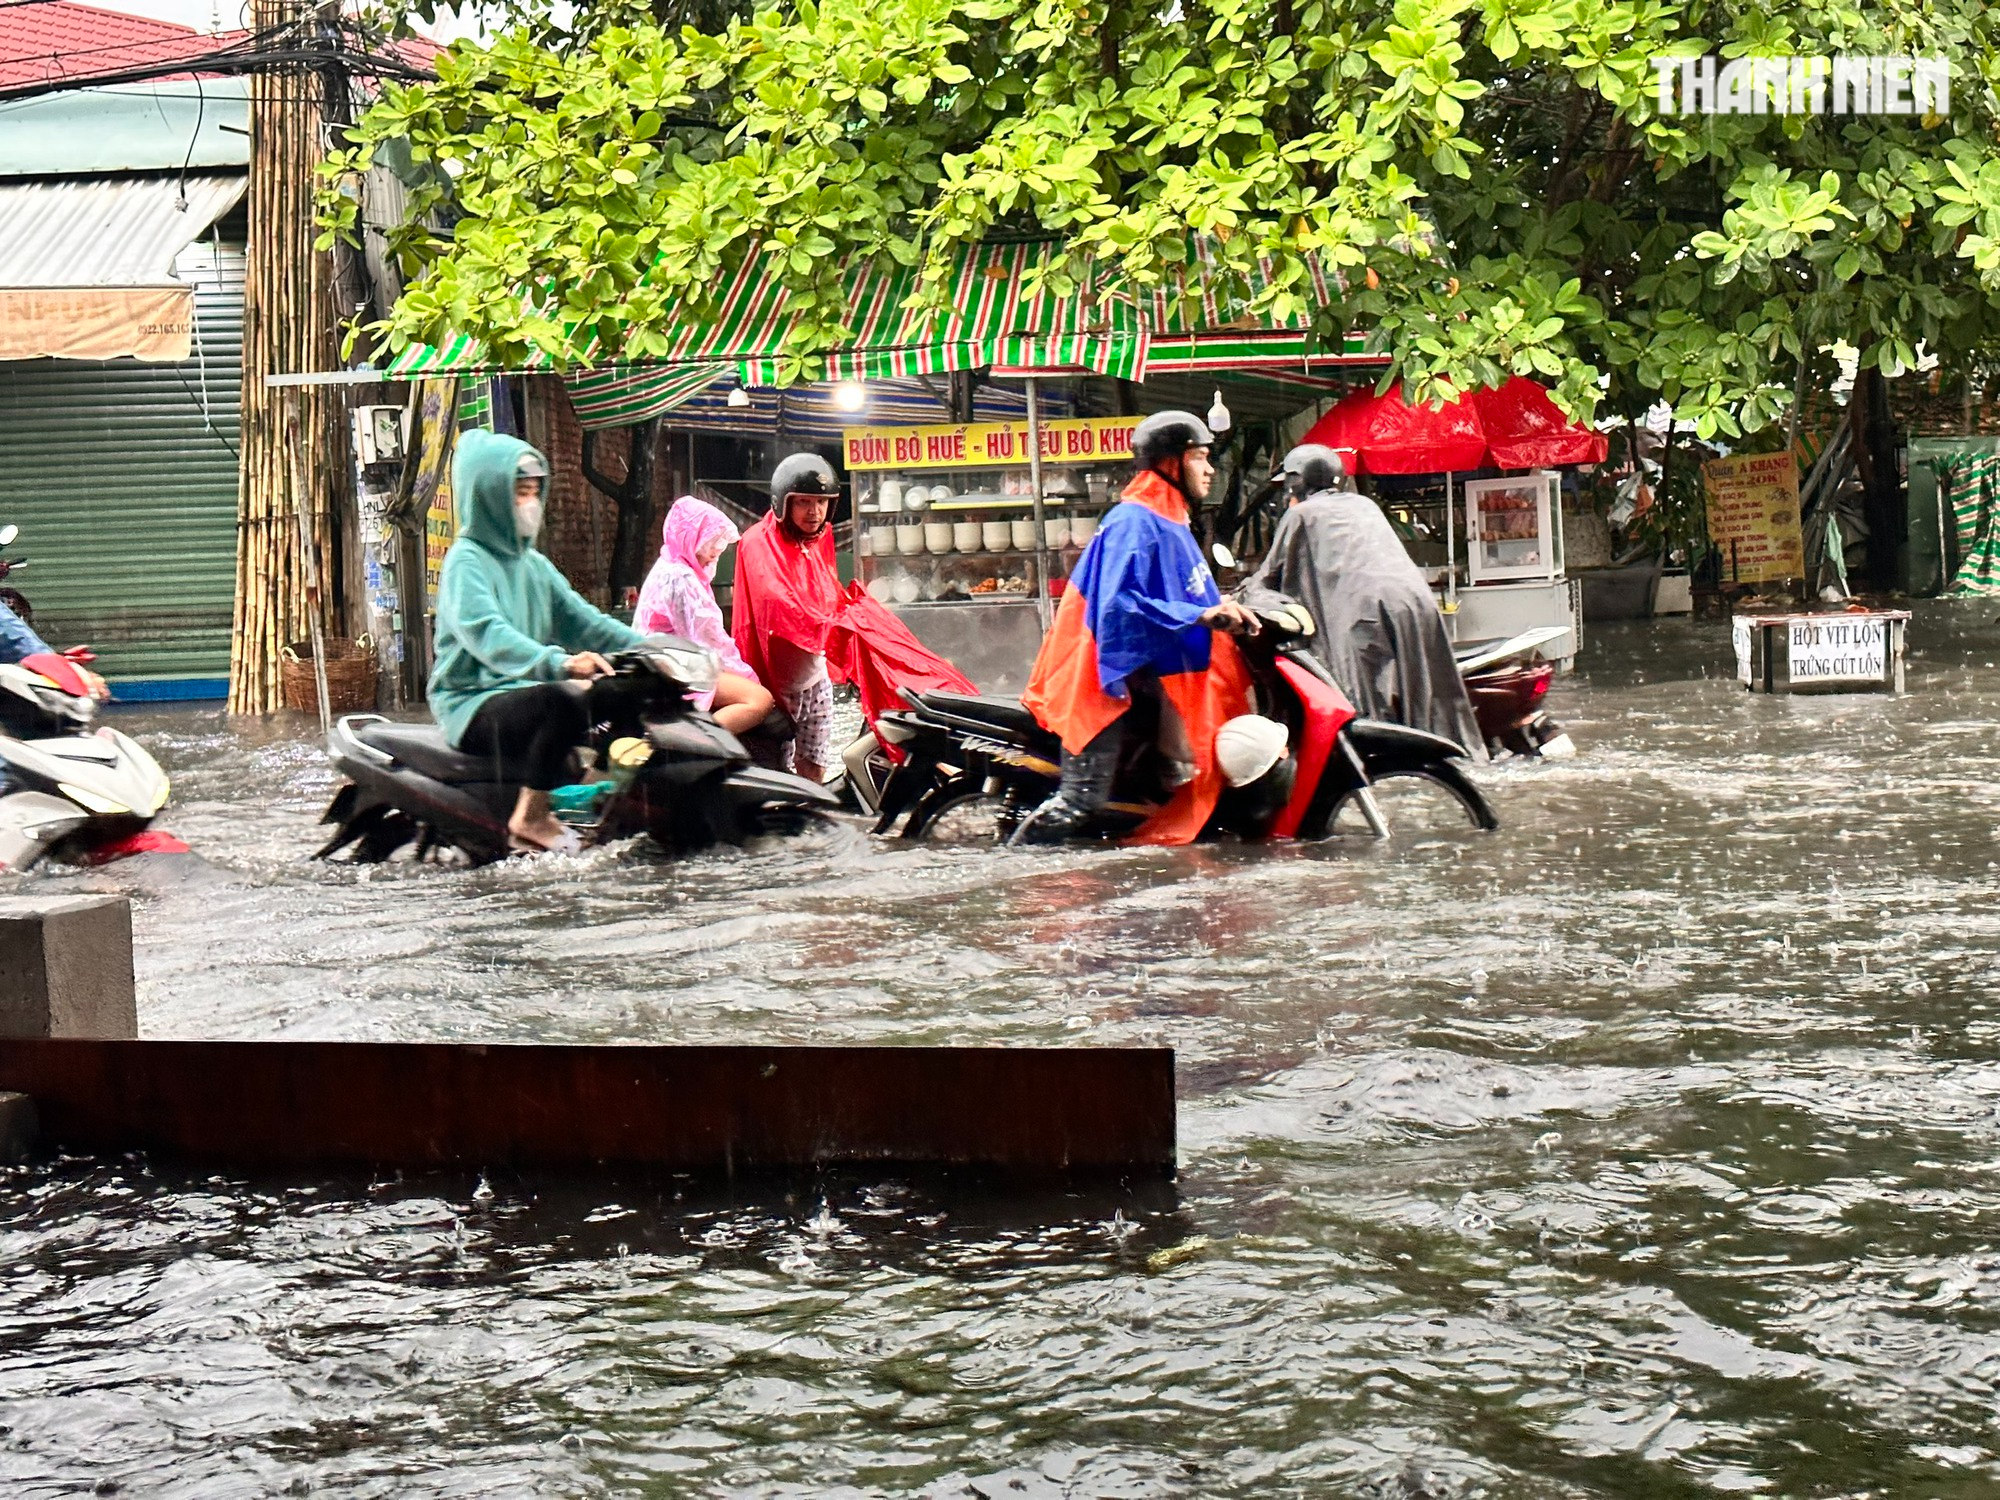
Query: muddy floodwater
(1648, 1147)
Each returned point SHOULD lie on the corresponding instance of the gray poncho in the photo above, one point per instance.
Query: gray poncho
(1380, 632)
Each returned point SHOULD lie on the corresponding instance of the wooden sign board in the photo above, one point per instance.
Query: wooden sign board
(1753, 516)
(721, 1109)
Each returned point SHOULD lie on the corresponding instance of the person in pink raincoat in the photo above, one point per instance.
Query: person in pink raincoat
(679, 599)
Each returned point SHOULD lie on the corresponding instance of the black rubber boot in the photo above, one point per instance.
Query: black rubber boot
(1085, 788)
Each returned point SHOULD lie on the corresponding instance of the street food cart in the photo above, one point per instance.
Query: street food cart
(1512, 525)
(945, 532)
(1514, 563)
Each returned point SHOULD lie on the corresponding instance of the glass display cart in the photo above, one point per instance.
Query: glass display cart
(945, 534)
(1514, 563)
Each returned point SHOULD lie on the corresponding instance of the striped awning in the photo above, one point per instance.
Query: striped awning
(622, 395)
(992, 318)
(1194, 321)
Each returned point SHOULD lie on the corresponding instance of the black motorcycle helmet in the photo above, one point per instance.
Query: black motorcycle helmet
(801, 474)
(1311, 468)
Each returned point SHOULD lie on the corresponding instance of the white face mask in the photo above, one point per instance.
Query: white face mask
(528, 519)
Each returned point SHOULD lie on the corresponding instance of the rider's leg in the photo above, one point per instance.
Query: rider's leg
(741, 703)
(1087, 779)
(529, 733)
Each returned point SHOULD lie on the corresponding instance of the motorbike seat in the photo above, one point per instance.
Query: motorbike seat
(1008, 714)
(425, 750)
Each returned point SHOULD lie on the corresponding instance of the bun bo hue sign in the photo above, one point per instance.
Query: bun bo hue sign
(988, 445)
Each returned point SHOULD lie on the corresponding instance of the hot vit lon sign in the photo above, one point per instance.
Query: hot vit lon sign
(1839, 650)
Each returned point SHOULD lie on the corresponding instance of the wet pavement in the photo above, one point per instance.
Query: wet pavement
(1650, 1146)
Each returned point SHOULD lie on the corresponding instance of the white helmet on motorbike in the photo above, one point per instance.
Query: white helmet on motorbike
(1248, 746)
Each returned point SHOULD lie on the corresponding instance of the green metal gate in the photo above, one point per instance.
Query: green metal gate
(122, 478)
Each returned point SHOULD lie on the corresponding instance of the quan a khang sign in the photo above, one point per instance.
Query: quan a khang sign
(1753, 516)
(984, 445)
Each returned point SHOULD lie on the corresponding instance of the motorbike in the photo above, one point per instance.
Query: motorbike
(662, 767)
(1509, 684)
(68, 790)
(962, 765)
(13, 598)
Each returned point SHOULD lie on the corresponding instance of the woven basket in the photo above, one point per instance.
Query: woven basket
(350, 675)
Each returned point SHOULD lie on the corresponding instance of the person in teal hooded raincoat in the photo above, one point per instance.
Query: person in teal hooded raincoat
(516, 646)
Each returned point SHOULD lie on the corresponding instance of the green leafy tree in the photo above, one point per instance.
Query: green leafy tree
(1492, 181)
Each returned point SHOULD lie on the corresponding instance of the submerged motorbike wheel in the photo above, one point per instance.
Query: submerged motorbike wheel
(1443, 773)
(963, 811)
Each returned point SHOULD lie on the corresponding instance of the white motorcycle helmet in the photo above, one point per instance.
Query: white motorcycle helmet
(1248, 746)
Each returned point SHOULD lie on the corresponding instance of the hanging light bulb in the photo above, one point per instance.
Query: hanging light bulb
(1218, 415)
(739, 397)
(850, 395)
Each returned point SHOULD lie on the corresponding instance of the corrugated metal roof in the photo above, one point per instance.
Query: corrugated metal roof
(135, 127)
(119, 231)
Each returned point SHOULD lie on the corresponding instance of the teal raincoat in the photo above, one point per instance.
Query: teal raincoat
(505, 617)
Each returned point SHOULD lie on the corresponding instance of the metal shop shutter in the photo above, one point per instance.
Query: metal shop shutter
(122, 478)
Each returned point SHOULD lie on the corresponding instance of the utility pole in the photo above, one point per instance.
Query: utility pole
(290, 326)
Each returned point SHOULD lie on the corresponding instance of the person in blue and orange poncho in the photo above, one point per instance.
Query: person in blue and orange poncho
(1142, 617)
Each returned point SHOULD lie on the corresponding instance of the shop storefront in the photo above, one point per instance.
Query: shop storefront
(946, 531)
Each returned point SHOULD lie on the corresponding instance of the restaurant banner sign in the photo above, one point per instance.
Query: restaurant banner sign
(1753, 516)
(988, 445)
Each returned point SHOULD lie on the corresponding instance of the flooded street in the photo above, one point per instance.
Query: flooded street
(1650, 1146)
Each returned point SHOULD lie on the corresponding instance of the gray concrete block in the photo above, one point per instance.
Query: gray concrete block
(66, 967)
(19, 1127)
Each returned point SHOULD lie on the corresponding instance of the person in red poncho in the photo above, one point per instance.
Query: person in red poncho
(801, 634)
(1142, 618)
(787, 596)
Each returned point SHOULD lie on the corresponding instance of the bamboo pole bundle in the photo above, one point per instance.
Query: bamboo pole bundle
(290, 326)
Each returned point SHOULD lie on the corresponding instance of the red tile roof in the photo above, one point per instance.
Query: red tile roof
(41, 40)
(48, 39)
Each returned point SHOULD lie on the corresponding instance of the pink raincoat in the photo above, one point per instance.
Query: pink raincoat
(679, 594)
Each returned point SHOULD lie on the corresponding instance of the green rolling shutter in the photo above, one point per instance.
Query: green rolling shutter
(122, 478)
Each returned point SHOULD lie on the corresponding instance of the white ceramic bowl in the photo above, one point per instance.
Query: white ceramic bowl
(1055, 531)
(916, 497)
(1081, 529)
(907, 590)
(885, 540)
(940, 493)
(937, 536)
(910, 539)
(996, 535)
(880, 590)
(1024, 535)
(891, 496)
(965, 536)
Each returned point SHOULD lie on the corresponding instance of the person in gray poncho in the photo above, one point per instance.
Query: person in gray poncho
(1380, 632)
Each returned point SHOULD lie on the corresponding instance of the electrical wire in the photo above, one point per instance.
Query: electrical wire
(200, 107)
(272, 48)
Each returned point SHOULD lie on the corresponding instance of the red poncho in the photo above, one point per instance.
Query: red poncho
(789, 590)
(785, 590)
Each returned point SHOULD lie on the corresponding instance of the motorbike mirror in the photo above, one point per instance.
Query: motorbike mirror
(1224, 558)
(7, 534)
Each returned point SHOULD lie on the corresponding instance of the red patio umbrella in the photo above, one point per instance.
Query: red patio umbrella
(1513, 426)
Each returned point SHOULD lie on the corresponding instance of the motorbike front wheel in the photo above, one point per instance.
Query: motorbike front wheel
(1444, 773)
(963, 811)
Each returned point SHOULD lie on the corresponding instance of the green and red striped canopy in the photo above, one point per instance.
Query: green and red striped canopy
(1000, 314)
